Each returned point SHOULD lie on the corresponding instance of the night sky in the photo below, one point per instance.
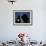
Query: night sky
(21, 13)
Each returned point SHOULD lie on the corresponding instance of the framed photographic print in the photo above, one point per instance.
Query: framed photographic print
(22, 17)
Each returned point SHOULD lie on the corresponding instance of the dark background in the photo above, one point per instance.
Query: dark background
(20, 19)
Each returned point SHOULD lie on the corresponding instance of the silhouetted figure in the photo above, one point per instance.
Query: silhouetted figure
(25, 18)
(18, 19)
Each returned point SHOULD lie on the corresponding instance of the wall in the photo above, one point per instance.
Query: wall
(37, 31)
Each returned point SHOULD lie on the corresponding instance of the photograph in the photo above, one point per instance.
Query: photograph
(22, 16)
